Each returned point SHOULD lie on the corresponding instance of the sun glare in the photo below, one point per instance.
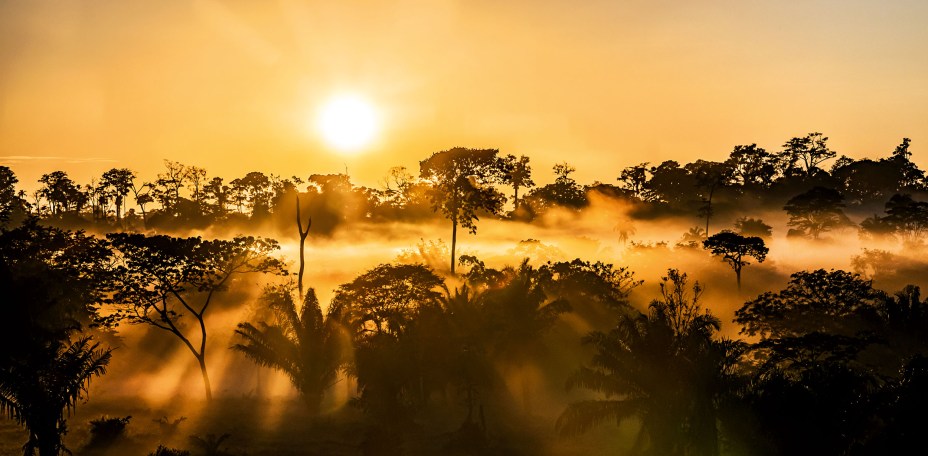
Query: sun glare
(347, 122)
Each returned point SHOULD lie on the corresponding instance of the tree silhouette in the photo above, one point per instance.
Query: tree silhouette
(752, 167)
(634, 178)
(161, 279)
(735, 249)
(62, 194)
(52, 281)
(462, 180)
(811, 336)
(117, 183)
(808, 151)
(664, 369)
(519, 175)
(710, 176)
(907, 217)
(301, 343)
(815, 212)
(36, 390)
(747, 226)
(13, 207)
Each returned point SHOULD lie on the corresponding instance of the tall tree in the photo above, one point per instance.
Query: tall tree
(735, 249)
(118, 182)
(160, 280)
(519, 175)
(710, 176)
(462, 181)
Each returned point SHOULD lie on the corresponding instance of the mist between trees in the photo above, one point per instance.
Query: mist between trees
(761, 305)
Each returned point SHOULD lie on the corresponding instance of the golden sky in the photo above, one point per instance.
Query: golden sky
(234, 86)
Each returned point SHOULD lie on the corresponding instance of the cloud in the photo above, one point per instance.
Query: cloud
(16, 159)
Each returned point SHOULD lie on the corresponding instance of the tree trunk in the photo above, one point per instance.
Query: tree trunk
(454, 240)
(209, 391)
(303, 234)
(738, 277)
(516, 199)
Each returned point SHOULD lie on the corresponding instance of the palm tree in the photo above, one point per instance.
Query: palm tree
(38, 389)
(662, 368)
(302, 344)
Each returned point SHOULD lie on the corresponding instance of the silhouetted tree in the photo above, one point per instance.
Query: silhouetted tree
(815, 212)
(462, 180)
(634, 179)
(61, 193)
(752, 167)
(663, 368)
(735, 249)
(808, 151)
(52, 281)
(117, 183)
(13, 206)
(746, 226)
(519, 175)
(160, 279)
(911, 178)
(301, 343)
(671, 184)
(907, 217)
(709, 176)
(563, 192)
(808, 357)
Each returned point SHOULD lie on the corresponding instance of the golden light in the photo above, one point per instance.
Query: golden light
(348, 122)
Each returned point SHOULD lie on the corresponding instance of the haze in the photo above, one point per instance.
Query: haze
(231, 86)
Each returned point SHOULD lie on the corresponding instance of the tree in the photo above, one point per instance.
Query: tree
(166, 188)
(61, 192)
(117, 183)
(911, 178)
(809, 151)
(462, 182)
(710, 176)
(663, 368)
(634, 179)
(301, 343)
(519, 175)
(907, 217)
(735, 249)
(670, 184)
(746, 226)
(809, 355)
(52, 281)
(815, 212)
(161, 279)
(383, 300)
(12, 204)
(752, 166)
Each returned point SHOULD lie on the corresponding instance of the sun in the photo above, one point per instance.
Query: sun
(347, 122)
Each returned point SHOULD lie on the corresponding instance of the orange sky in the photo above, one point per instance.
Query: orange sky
(233, 86)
